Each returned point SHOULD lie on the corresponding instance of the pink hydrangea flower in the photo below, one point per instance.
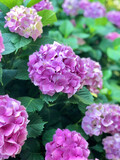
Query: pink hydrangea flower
(67, 145)
(112, 36)
(1, 46)
(114, 17)
(44, 4)
(102, 118)
(53, 69)
(13, 123)
(112, 147)
(24, 21)
(71, 7)
(91, 74)
(95, 10)
(83, 4)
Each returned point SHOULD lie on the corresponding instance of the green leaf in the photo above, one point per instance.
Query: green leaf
(107, 74)
(113, 54)
(98, 148)
(101, 21)
(31, 104)
(8, 75)
(31, 150)
(48, 17)
(71, 42)
(4, 8)
(22, 73)
(48, 98)
(48, 136)
(83, 96)
(30, 3)
(12, 3)
(35, 126)
(66, 28)
(77, 128)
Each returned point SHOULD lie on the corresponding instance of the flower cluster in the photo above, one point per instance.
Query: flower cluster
(95, 10)
(13, 123)
(1, 46)
(56, 68)
(112, 36)
(44, 4)
(114, 17)
(83, 4)
(112, 147)
(91, 74)
(67, 145)
(71, 7)
(24, 21)
(53, 69)
(102, 118)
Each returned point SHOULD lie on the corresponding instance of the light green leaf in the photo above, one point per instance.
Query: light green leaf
(36, 125)
(12, 3)
(48, 17)
(66, 28)
(30, 3)
(31, 104)
(113, 54)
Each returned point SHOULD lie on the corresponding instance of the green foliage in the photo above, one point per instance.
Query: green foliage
(35, 126)
(48, 17)
(11, 3)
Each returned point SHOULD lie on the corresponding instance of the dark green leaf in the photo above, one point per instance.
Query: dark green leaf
(48, 136)
(31, 104)
(35, 126)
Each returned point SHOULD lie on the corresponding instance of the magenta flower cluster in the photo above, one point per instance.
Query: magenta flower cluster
(24, 21)
(95, 10)
(83, 4)
(2, 48)
(44, 4)
(56, 68)
(13, 123)
(114, 17)
(112, 147)
(102, 118)
(71, 7)
(112, 36)
(67, 145)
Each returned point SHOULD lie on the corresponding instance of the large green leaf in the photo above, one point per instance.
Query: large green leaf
(66, 28)
(31, 104)
(31, 150)
(83, 96)
(48, 17)
(4, 8)
(36, 125)
(113, 54)
(30, 3)
(1, 71)
(12, 3)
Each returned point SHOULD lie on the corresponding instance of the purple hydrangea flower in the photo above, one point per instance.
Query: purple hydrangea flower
(53, 69)
(101, 118)
(71, 7)
(24, 21)
(44, 4)
(112, 147)
(95, 10)
(2, 48)
(67, 145)
(13, 127)
(114, 17)
(56, 68)
(91, 74)
(83, 4)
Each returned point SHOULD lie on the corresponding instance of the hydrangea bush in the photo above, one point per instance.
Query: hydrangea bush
(59, 80)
